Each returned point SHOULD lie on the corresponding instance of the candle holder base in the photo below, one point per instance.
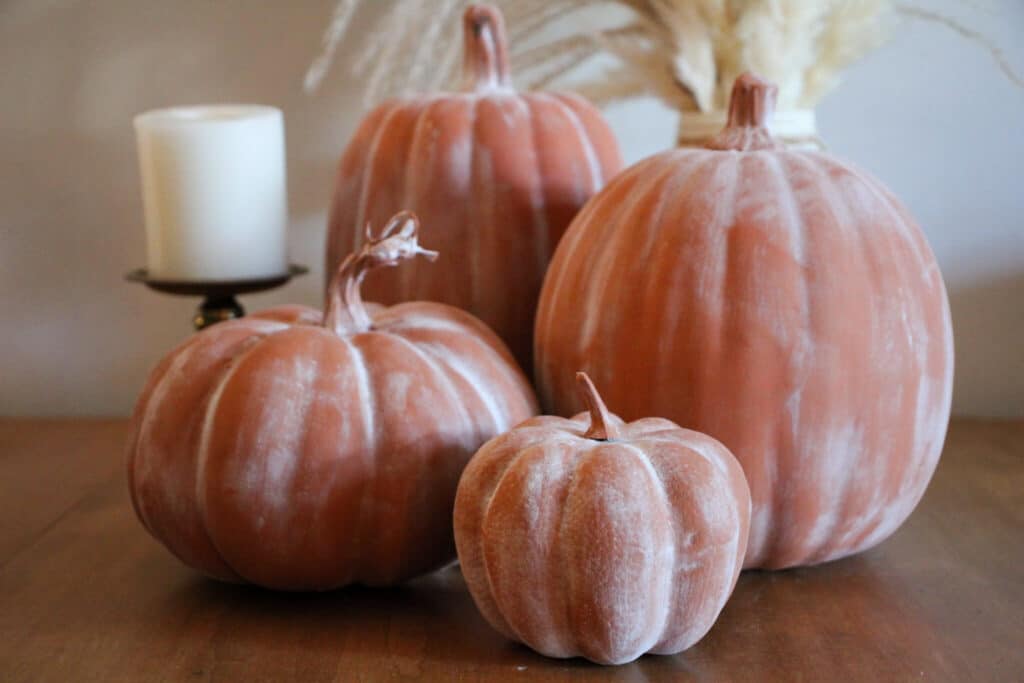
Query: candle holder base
(219, 303)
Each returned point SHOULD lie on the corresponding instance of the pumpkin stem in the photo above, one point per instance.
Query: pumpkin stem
(751, 106)
(485, 53)
(345, 312)
(602, 427)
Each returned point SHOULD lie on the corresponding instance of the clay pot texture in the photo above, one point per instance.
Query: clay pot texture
(299, 450)
(590, 537)
(783, 302)
(495, 175)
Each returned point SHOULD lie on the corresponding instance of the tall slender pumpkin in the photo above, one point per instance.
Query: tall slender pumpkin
(495, 175)
(781, 301)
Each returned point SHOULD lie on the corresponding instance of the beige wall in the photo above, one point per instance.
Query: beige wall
(929, 114)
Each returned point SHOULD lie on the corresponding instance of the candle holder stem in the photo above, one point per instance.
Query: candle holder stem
(219, 302)
(217, 309)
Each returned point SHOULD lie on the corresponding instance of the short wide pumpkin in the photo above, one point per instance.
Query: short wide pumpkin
(495, 174)
(781, 301)
(604, 541)
(297, 450)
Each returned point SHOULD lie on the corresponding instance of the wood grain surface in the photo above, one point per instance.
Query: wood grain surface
(86, 595)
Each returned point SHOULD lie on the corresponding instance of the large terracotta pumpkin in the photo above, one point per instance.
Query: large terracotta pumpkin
(495, 175)
(300, 450)
(590, 537)
(781, 301)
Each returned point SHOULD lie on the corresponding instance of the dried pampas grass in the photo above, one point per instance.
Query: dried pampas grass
(416, 45)
(685, 52)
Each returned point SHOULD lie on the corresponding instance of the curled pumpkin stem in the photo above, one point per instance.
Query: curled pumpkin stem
(345, 312)
(602, 425)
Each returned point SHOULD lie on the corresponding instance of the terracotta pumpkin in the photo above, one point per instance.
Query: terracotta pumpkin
(495, 175)
(781, 301)
(300, 450)
(590, 537)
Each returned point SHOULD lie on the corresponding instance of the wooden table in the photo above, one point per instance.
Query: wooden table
(86, 595)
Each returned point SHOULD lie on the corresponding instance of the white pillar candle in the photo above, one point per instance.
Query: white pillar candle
(213, 187)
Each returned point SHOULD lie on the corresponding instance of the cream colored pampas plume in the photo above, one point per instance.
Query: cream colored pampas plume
(685, 52)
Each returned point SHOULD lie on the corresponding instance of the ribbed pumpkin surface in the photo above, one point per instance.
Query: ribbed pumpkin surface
(605, 548)
(280, 451)
(495, 175)
(782, 302)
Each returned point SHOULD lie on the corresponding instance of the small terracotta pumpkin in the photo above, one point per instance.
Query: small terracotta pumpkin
(604, 541)
(779, 300)
(495, 174)
(304, 451)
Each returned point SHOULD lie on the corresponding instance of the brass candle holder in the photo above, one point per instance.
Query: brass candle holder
(219, 302)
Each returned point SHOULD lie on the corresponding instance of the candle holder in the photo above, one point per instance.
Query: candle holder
(219, 303)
